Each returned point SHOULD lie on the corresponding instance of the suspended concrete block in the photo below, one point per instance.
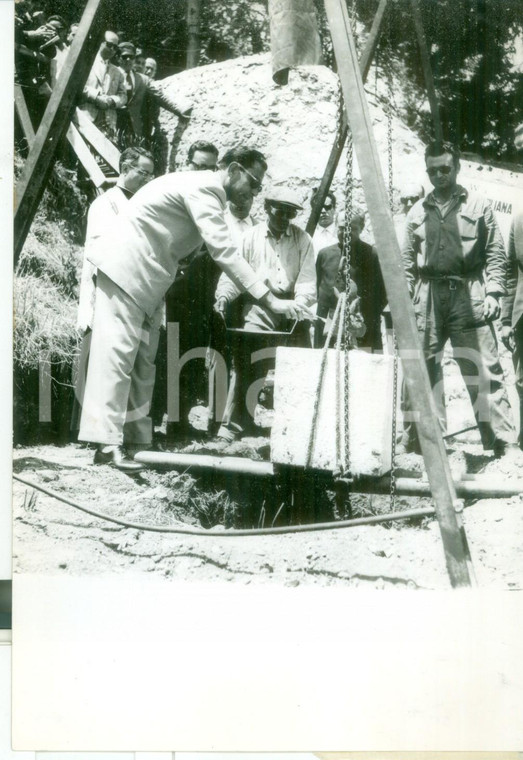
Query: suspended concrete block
(370, 410)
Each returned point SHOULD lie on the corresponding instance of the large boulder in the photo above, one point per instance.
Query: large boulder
(294, 125)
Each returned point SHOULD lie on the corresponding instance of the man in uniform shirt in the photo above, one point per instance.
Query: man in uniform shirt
(136, 168)
(166, 221)
(455, 265)
(283, 257)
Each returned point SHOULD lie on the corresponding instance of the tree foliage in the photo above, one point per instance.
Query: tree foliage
(471, 43)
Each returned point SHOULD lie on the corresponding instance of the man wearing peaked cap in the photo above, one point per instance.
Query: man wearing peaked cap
(283, 257)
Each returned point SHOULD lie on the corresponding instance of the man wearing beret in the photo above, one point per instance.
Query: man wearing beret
(282, 255)
(166, 221)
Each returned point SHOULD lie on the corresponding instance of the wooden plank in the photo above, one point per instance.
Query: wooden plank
(337, 148)
(427, 70)
(33, 179)
(97, 139)
(85, 156)
(23, 115)
(457, 555)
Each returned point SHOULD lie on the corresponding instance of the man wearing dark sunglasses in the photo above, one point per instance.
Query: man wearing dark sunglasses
(104, 91)
(455, 264)
(325, 233)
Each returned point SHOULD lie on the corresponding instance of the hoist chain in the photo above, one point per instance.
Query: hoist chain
(390, 82)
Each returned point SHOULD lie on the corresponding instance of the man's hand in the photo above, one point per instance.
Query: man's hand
(491, 308)
(220, 307)
(507, 337)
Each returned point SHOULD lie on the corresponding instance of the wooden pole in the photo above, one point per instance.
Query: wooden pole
(427, 70)
(23, 116)
(337, 148)
(193, 33)
(457, 555)
(31, 185)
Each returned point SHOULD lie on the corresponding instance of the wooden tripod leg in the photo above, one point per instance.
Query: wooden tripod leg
(455, 547)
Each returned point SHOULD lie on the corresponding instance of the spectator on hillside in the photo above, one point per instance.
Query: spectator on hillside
(139, 89)
(139, 61)
(150, 68)
(104, 91)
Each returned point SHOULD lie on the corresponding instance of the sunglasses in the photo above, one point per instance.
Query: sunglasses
(202, 167)
(127, 57)
(113, 45)
(328, 207)
(254, 182)
(438, 169)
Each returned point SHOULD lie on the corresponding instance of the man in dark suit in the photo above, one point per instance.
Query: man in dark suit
(138, 88)
(512, 309)
(366, 275)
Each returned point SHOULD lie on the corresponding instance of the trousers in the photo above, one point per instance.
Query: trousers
(453, 310)
(121, 372)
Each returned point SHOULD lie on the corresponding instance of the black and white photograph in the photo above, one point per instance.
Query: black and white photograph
(267, 362)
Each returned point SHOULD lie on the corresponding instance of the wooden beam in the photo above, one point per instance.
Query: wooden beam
(337, 148)
(193, 33)
(457, 556)
(85, 156)
(427, 70)
(97, 139)
(23, 115)
(31, 185)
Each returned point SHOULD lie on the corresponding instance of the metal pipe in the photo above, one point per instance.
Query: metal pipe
(470, 486)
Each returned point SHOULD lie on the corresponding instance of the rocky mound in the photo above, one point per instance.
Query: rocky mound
(294, 125)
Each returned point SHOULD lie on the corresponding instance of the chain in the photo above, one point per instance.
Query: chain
(388, 58)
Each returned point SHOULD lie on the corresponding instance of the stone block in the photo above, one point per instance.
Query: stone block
(370, 410)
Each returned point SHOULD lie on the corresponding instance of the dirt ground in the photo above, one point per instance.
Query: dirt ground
(51, 537)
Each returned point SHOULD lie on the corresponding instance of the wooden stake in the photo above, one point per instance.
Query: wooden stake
(23, 115)
(56, 118)
(337, 148)
(457, 556)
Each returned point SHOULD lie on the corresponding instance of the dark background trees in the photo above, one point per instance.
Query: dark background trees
(471, 41)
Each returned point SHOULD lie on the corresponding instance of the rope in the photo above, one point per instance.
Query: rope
(317, 395)
(374, 520)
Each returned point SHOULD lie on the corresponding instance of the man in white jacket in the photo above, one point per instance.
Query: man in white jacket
(166, 221)
(104, 90)
(136, 168)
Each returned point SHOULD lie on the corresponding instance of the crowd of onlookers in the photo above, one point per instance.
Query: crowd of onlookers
(120, 95)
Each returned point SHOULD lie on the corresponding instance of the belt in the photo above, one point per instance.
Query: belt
(452, 280)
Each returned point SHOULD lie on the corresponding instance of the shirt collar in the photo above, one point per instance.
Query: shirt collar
(459, 192)
(268, 233)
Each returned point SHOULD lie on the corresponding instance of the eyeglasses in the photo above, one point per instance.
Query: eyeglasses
(328, 207)
(143, 173)
(127, 57)
(254, 182)
(202, 167)
(433, 170)
(113, 45)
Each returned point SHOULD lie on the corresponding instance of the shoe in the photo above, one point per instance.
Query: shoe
(116, 457)
(226, 434)
(508, 451)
